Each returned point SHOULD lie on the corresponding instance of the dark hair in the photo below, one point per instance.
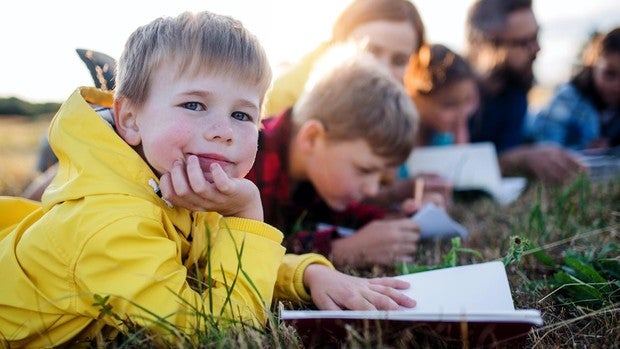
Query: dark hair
(597, 45)
(434, 67)
(486, 19)
(363, 11)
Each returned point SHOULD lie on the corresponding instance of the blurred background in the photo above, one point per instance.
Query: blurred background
(39, 38)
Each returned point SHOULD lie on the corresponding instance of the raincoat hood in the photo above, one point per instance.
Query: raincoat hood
(89, 150)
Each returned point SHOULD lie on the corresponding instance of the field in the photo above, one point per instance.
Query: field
(19, 140)
(561, 246)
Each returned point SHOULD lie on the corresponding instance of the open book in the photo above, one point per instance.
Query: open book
(469, 303)
(434, 223)
(602, 164)
(471, 166)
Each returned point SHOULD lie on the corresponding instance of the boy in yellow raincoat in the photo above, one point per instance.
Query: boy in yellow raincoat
(189, 90)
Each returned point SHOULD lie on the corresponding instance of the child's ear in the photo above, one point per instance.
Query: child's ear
(310, 132)
(125, 121)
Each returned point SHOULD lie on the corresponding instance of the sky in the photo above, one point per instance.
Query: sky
(38, 62)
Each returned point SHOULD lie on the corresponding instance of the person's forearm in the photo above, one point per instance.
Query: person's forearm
(513, 162)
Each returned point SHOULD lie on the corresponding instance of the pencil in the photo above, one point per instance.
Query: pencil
(418, 189)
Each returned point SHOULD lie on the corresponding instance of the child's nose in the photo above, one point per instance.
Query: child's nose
(219, 129)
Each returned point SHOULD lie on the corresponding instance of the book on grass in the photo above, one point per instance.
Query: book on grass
(472, 166)
(602, 164)
(470, 303)
(434, 223)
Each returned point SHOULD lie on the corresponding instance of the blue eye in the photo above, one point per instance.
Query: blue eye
(241, 116)
(194, 106)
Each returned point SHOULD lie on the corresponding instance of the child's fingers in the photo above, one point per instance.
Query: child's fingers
(409, 206)
(390, 282)
(184, 194)
(221, 180)
(364, 300)
(381, 299)
(324, 302)
(196, 178)
(165, 186)
(389, 298)
(179, 179)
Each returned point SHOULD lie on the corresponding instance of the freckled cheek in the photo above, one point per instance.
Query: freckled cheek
(169, 144)
(248, 139)
(247, 147)
(184, 131)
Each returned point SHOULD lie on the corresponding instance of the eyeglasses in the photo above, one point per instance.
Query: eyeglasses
(518, 43)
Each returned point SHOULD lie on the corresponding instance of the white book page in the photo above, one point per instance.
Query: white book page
(468, 166)
(434, 222)
(509, 190)
(531, 316)
(477, 292)
(470, 288)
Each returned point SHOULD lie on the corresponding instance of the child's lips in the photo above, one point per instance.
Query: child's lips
(206, 160)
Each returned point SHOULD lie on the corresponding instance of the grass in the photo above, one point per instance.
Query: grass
(19, 141)
(576, 221)
(561, 246)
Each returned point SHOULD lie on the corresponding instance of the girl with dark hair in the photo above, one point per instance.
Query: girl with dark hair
(444, 88)
(585, 112)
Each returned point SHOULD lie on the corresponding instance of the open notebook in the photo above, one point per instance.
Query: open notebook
(602, 164)
(476, 295)
(434, 223)
(471, 166)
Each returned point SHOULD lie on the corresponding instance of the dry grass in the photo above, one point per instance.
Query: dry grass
(19, 142)
(580, 222)
(554, 220)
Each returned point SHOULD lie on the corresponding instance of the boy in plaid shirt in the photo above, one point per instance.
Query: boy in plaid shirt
(320, 159)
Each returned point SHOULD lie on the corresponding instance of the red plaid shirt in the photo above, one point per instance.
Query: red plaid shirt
(293, 206)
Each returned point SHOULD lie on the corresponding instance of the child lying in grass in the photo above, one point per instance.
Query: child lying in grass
(189, 91)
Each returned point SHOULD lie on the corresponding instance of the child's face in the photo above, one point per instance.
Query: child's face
(211, 116)
(607, 78)
(449, 108)
(344, 172)
(390, 42)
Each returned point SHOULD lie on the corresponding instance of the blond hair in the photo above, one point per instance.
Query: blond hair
(196, 42)
(355, 97)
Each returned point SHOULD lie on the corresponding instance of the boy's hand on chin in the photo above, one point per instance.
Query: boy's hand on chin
(186, 186)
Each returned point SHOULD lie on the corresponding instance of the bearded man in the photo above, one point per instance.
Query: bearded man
(502, 45)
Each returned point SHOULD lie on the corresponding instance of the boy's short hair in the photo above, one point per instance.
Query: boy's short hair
(197, 42)
(355, 97)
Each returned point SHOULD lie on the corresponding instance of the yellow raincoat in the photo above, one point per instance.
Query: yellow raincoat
(101, 229)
